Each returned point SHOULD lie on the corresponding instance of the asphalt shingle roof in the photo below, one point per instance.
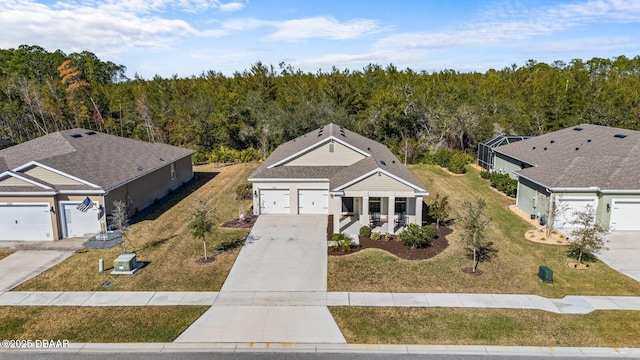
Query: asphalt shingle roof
(101, 159)
(337, 175)
(571, 158)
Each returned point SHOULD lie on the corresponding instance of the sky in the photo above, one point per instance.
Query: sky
(189, 37)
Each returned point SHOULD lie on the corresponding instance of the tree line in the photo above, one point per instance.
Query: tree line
(261, 107)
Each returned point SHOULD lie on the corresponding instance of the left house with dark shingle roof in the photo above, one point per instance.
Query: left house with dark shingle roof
(44, 181)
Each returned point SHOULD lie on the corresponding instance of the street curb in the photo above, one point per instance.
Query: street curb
(338, 348)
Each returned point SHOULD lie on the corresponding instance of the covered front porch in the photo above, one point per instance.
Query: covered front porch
(384, 212)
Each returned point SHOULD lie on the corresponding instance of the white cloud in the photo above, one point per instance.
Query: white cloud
(232, 6)
(104, 27)
(504, 23)
(324, 27)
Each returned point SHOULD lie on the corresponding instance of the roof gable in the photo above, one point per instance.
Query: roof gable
(51, 176)
(329, 152)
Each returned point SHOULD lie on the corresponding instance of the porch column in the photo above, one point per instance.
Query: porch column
(419, 210)
(364, 217)
(391, 225)
(336, 210)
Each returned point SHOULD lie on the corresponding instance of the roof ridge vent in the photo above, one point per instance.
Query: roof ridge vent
(76, 135)
(552, 141)
(620, 136)
(90, 132)
(577, 128)
(383, 163)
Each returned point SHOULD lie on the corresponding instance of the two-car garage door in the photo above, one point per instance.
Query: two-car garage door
(310, 201)
(25, 222)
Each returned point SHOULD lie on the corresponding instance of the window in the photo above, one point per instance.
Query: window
(173, 171)
(347, 205)
(375, 204)
(331, 147)
(401, 205)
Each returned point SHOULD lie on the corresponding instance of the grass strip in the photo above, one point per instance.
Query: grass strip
(97, 324)
(506, 327)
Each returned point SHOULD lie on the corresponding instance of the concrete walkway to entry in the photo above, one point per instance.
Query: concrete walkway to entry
(240, 305)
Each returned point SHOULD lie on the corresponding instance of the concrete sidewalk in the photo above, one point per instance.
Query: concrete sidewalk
(242, 347)
(227, 302)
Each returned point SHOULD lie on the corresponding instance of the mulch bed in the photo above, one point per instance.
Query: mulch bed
(246, 223)
(397, 247)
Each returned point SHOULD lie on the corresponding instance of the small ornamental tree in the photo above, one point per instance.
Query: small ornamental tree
(439, 209)
(474, 224)
(588, 235)
(556, 209)
(202, 223)
(120, 221)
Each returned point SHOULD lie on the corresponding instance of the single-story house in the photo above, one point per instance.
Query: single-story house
(64, 184)
(337, 172)
(576, 167)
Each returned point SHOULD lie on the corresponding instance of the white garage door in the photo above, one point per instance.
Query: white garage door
(569, 206)
(625, 214)
(274, 201)
(313, 201)
(25, 222)
(76, 223)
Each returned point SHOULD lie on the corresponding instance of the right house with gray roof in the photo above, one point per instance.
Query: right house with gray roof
(576, 167)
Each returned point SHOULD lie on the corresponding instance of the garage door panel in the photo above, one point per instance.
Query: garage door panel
(274, 201)
(569, 207)
(625, 214)
(78, 223)
(26, 222)
(313, 201)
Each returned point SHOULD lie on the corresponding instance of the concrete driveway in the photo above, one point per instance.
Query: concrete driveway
(22, 265)
(623, 253)
(285, 255)
(282, 253)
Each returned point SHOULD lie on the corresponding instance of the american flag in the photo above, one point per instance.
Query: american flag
(85, 205)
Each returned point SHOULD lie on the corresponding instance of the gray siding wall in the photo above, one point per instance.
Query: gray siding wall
(506, 164)
(532, 198)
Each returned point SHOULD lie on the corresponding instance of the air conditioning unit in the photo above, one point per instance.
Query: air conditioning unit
(125, 264)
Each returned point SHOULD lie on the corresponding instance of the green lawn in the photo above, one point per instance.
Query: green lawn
(514, 270)
(97, 324)
(447, 326)
(163, 240)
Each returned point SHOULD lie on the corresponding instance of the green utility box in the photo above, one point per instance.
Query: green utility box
(545, 274)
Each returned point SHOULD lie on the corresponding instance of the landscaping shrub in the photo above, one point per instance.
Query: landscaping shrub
(415, 236)
(442, 157)
(485, 174)
(457, 162)
(375, 235)
(244, 191)
(365, 231)
(504, 183)
(342, 242)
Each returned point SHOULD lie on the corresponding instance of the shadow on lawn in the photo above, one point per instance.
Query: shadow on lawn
(154, 211)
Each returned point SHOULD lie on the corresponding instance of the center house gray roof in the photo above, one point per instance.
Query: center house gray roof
(583, 156)
(104, 160)
(377, 155)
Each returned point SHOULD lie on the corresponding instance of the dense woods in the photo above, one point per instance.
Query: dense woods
(411, 112)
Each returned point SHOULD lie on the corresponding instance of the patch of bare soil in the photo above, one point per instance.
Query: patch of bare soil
(202, 261)
(245, 222)
(540, 236)
(579, 266)
(469, 271)
(396, 247)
